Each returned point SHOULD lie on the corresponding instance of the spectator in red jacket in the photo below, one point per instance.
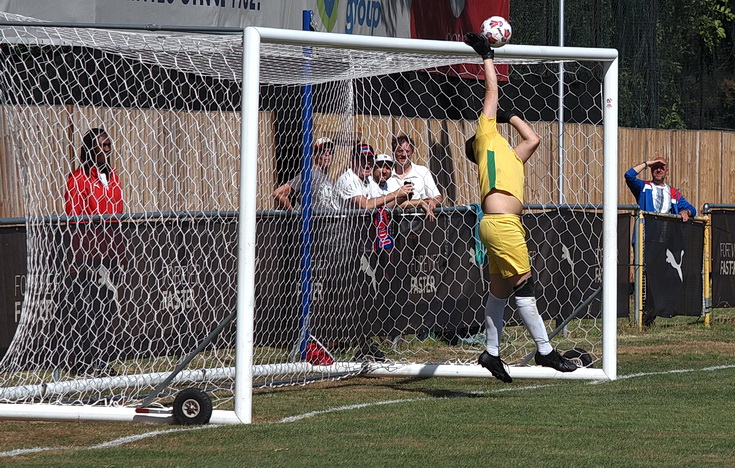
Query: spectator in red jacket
(94, 187)
(95, 248)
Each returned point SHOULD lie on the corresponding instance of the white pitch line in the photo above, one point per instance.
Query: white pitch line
(15, 453)
(676, 371)
(134, 438)
(346, 408)
(108, 444)
(137, 437)
(405, 400)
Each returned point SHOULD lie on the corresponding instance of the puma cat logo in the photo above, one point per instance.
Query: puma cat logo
(566, 255)
(672, 261)
(369, 271)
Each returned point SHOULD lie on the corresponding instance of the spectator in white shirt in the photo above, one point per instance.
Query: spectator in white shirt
(383, 189)
(426, 194)
(351, 187)
(321, 184)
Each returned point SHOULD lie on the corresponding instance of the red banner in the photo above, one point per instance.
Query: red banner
(449, 20)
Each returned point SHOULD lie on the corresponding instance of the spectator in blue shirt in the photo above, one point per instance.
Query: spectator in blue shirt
(655, 195)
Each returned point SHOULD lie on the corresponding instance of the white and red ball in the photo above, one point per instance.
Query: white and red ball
(497, 30)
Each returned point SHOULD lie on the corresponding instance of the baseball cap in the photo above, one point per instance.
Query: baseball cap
(323, 142)
(363, 150)
(383, 159)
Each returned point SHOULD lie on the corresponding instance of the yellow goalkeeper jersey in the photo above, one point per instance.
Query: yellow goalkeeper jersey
(498, 165)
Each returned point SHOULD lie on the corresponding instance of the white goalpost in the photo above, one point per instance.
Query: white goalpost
(203, 289)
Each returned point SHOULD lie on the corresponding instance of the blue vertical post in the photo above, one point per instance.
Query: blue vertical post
(306, 205)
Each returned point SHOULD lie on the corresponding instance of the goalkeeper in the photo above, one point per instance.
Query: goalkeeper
(501, 178)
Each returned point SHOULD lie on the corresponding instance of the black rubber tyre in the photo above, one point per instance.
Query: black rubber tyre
(579, 356)
(192, 406)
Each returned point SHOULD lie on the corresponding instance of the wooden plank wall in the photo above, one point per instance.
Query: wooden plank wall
(168, 161)
(9, 182)
(174, 161)
(700, 162)
(726, 189)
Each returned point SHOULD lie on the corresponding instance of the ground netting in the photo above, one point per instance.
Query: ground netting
(112, 304)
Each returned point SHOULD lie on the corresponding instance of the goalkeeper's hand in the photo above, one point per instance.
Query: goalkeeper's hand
(480, 44)
(505, 116)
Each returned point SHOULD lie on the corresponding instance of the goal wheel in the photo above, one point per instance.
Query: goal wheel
(579, 356)
(192, 406)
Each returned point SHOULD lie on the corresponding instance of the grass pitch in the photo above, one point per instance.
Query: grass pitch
(673, 405)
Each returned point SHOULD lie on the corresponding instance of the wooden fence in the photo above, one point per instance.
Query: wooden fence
(171, 161)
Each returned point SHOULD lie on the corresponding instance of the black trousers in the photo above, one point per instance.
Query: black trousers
(89, 339)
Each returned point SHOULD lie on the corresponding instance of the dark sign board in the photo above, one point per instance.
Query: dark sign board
(723, 258)
(672, 255)
(149, 287)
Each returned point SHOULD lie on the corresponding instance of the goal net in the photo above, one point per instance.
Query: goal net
(196, 276)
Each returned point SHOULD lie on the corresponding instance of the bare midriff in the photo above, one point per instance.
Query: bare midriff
(499, 202)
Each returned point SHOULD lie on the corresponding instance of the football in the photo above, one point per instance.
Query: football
(497, 30)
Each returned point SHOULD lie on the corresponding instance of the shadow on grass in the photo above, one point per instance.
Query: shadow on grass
(407, 385)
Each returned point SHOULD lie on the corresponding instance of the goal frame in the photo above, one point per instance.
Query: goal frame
(244, 371)
(254, 36)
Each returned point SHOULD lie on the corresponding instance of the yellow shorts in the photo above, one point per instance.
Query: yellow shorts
(505, 240)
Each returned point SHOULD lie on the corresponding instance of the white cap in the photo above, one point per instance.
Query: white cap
(323, 141)
(383, 159)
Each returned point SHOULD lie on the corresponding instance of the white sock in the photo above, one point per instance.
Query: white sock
(494, 311)
(534, 323)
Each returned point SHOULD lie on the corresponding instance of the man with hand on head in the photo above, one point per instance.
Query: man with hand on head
(655, 195)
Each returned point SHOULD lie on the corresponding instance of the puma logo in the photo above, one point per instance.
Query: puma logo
(369, 271)
(566, 255)
(672, 261)
(106, 281)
